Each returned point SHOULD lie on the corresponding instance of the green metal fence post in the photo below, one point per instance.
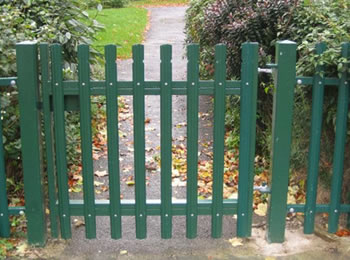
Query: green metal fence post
(339, 146)
(138, 70)
(219, 145)
(113, 141)
(86, 141)
(192, 140)
(249, 91)
(49, 141)
(281, 138)
(60, 140)
(315, 142)
(28, 86)
(4, 214)
(165, 139)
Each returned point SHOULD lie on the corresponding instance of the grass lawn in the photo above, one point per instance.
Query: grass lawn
(158, 2)
(123, 27)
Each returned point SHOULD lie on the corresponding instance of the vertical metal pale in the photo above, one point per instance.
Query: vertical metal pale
(281, 138)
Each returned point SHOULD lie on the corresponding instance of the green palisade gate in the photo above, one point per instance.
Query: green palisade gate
(58, 95)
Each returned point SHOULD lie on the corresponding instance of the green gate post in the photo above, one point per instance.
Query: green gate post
(249, 91)
(28, 86)
(4, 213)
(281, 138)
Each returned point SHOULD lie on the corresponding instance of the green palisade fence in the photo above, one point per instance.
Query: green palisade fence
(58, 95)
(286, 80)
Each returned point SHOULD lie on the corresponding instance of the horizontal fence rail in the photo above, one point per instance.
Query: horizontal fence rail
(58, 95)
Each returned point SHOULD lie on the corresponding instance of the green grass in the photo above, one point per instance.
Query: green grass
(123, 27)
(158, 2)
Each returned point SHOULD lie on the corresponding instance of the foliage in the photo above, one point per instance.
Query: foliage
(45, 21)
(195, 19)
(105, 3)
(5, 246)
(265, 21)
(326, 22)
(124, 27)
(52, 21)
(234, 22)
(143, 3)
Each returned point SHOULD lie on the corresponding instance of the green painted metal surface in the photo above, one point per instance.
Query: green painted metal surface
(219, 132)
(4, 214)
(281, 138)
(60, 140)
(5, 82)
(48, 131)
(314, 149)
(192, 139)
(249, 88)
(59, 96)
(113, 142)
(30, 120)
(206, 87)
(139, 140)
(339, 147)
(179, 207)
(166, 139)
(86, 141)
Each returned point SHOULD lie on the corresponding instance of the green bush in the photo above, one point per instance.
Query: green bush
(234, 22)
(52, 21)
(326, 22)
(265, 21)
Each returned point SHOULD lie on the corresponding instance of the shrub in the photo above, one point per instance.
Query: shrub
(52, 21)
(327, 22)
(234, 22)
(265, 21)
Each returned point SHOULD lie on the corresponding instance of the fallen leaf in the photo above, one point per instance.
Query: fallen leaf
(101, 173)
(76, 189)
(147, 120)
(343, 232)
(123, 252)
(236, 241)
(78, 223)
(261, 209)
(98, 183)
(130, 183)
(21, 249)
